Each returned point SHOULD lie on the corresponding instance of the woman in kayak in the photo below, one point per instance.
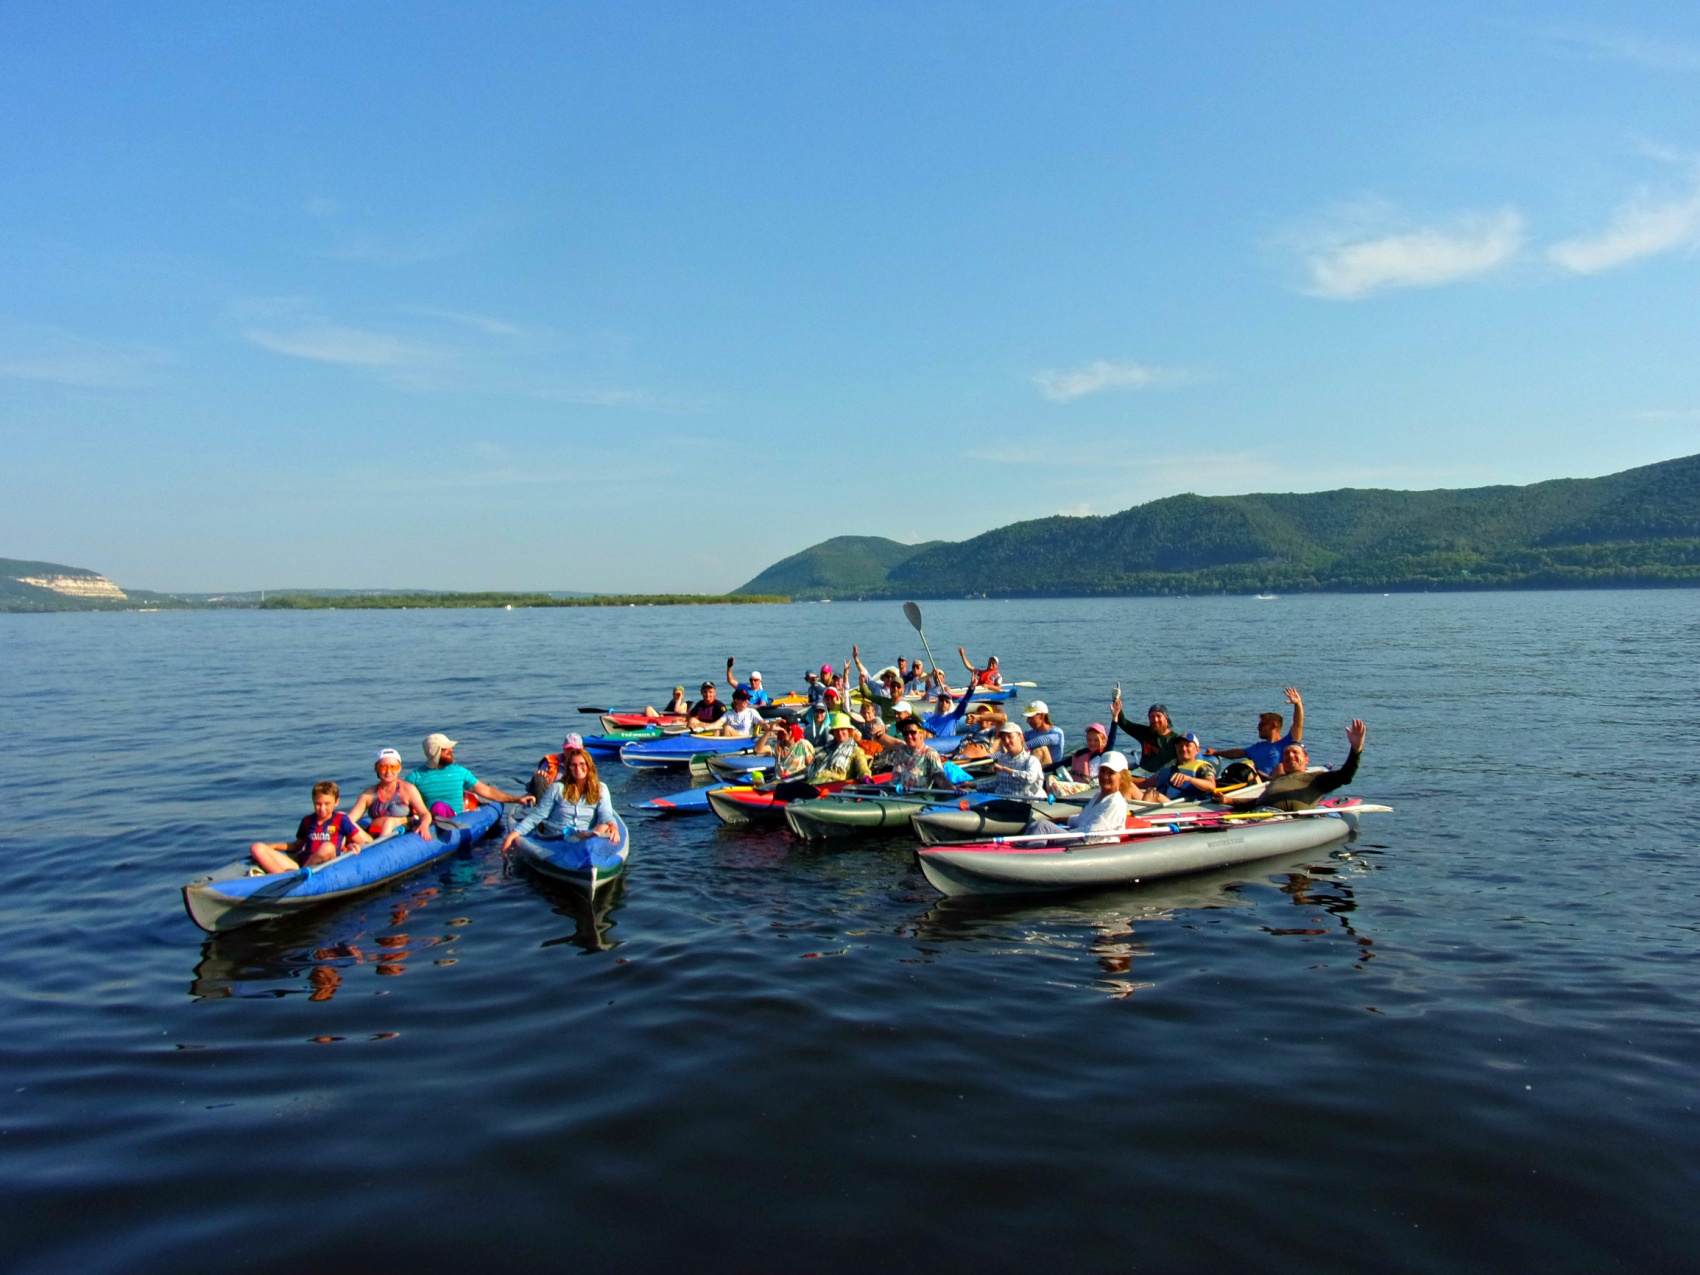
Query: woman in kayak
(442, 782)
(576, 805)
(787, 745)
(1294, 788)
(990, 677)
(390, 801)
(841, 762)
(913, 764)
(1018, 771)
(1043, 736)
(319, 837)
(1106, 812)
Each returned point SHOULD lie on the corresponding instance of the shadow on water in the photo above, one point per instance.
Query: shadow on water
(320, 948)
(593, 919)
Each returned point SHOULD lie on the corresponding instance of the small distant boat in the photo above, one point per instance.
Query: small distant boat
(1266, 597)
(508, 607)
(589, 863)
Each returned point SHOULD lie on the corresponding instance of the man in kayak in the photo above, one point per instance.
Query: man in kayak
(1105, 813)
(742, 720)
(708, 710)
(1018, 771)
(1188, 778)
(990, 677)
(445, 783)
(1157, 737)
(752, 688)
(1294, 788)
(913, 764)
(319, 837)
(817, 726)
(1271, 744)
(813, 688)
(1083, 763)
(388, 803)
(945, 719)
(1044, 737)
(890, 692)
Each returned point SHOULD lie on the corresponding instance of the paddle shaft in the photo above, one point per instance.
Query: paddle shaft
(1177, 820)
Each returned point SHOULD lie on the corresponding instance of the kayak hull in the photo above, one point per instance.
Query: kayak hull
(969, 818)
(744, 807)
(676, 751)
(231, 898)
(585, 863)
(849, 815)
(1004, 869)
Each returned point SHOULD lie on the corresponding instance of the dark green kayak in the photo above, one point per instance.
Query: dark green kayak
(855, 814)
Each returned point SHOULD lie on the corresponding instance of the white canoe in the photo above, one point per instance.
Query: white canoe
(1037, 866)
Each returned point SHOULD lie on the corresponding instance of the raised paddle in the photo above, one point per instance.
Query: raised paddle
(913, 613)
(596, 710)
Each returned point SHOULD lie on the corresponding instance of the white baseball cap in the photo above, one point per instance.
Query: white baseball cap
(1037, 706)
(1112, 761)
(1012, 728)
(755, 677)
(902, 706)
(389, 754)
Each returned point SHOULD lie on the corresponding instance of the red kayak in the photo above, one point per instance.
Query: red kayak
(628, 721)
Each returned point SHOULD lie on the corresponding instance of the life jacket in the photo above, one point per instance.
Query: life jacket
(550, 767)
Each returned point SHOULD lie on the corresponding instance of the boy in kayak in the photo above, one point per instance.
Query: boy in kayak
(1156, 735)
(1188, 778)
(1271, 744)
(708, 710)
(742, 720)
(319, 837)
(1294, 788)
(390, 801)
(442, 782)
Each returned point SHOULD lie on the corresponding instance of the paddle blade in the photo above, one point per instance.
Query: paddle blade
(914, 614)
(596, 710)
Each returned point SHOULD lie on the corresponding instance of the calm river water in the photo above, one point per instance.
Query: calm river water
(1467, 1041)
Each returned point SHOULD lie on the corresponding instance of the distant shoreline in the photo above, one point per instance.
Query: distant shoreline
(296, 601)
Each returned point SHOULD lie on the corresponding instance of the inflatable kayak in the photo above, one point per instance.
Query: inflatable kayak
(693, 801)
(614, 741)
(588, 863)
(740, 805)
(854, 813)
(677, 750)
(1195, 843)
(615, 722)
(982, 815)
(230, 897)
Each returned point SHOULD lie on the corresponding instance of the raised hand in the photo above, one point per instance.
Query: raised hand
(1356, 733)
(1293, 696)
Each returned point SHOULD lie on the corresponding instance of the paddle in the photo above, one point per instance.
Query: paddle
(1176, 820)
(913, 613)
(596, 710)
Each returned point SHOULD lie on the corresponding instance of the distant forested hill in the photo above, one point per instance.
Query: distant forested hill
(1638, 527)
(845, 566)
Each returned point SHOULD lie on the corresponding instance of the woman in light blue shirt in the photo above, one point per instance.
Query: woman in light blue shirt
(576, 805)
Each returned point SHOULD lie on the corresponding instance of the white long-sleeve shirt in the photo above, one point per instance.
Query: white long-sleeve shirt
(1102, 814)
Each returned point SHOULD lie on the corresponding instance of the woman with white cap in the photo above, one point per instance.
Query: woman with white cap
(1018, 771)
(390, 801)
(1043, 736)
(1105, 813)
(443, 782)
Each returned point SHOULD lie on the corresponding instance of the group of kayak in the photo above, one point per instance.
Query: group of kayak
(997, 802)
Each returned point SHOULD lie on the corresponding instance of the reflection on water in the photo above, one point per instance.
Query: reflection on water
(593, 923)
(323, 949)
(1116, 928)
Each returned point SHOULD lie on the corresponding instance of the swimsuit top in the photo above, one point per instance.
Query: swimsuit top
(393, 807)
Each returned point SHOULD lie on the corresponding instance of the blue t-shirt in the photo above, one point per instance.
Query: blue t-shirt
(1265, 754)
(447, 785)
(1053, 738)
(756, 697)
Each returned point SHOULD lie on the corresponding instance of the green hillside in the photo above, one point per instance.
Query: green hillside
(1638, 527)
(18, 595)
(843, 567)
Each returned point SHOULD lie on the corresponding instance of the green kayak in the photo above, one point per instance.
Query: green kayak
(849, 814)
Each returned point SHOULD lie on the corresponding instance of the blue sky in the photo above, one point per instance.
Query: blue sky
(647, 296)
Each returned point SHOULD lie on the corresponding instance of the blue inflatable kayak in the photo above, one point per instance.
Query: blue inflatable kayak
(693, 801)
(231, 897)
(677, 750)
(586, 862)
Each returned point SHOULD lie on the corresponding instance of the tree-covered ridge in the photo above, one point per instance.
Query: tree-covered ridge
(844, 566)
(1641, 526)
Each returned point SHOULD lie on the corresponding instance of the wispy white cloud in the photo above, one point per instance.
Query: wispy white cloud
(1643, 226)
(1632, 47)
(482, 322)
(1348, 259)
(41, 352)
(1065, 385)
(329, 343)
